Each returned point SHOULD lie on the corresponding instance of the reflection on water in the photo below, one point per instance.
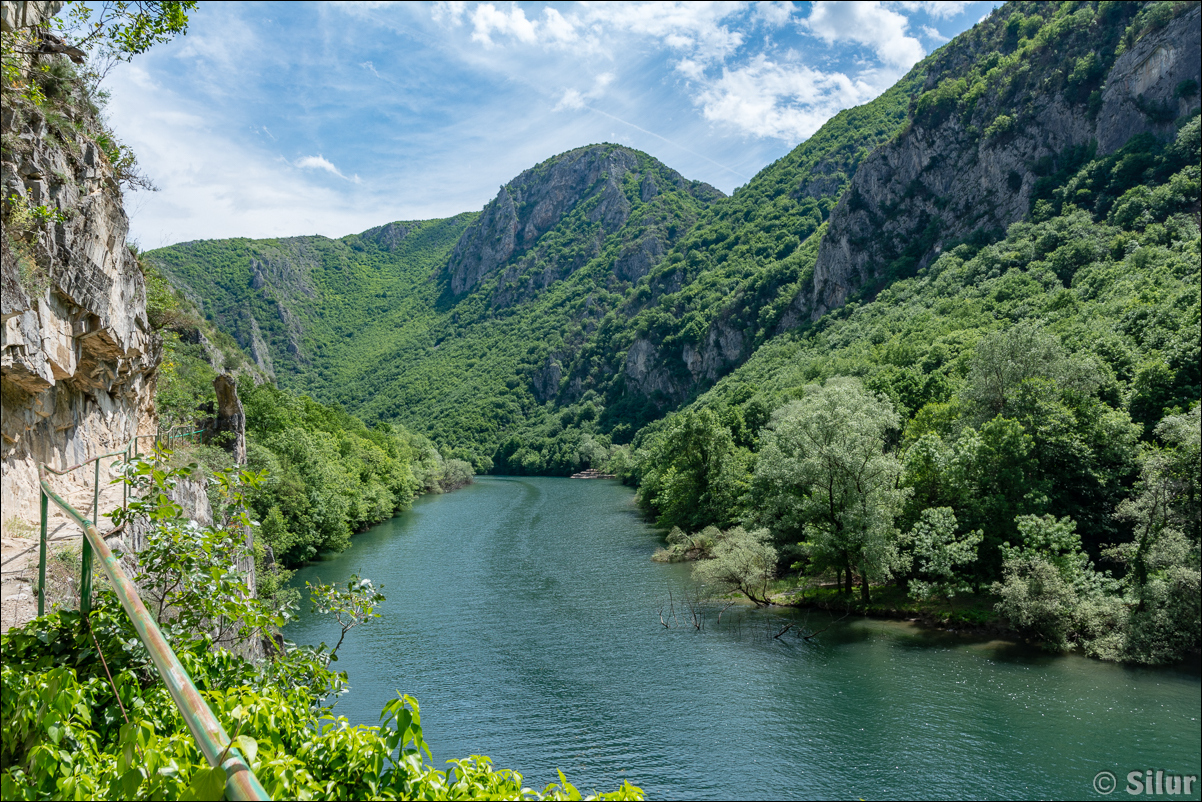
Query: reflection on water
(522, 614)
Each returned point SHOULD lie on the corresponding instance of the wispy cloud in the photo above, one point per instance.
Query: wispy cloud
(320, 162)
(940, 9)
(576, 99)
(933, 34)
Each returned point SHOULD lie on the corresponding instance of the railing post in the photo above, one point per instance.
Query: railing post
(85, 579)
(42, 557)
(96, 493)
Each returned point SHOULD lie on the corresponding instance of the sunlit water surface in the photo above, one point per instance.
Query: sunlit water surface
(522, 614)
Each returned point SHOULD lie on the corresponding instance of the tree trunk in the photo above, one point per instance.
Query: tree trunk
(865, 595)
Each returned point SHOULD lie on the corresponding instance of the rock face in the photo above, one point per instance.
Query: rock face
(1146, 77)
(537, 200)
(77, 358)
(936, 185)
(228, 425)
(14, 16)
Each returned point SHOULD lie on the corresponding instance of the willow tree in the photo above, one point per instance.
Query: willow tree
(824, 479)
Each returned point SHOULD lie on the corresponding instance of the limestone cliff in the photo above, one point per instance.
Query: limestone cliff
(78, 358)
(951, 175)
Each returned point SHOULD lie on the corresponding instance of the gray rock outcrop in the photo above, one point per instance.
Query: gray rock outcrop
(934, 186)
(17, 15)
(227, 428)
(77, 356)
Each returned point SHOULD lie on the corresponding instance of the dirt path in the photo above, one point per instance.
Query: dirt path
(19, 553)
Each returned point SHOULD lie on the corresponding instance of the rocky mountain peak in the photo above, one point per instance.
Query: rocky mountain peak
(537, 200)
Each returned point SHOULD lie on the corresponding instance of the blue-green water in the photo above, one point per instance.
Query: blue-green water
(522, 614)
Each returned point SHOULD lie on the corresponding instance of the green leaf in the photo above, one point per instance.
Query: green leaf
(130, 782)
(249, 747)
(206, 783)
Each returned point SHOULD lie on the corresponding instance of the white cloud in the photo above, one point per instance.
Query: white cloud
(575, 99)
(320, 162)
(933, 34)
(786, 101)
(215, 185)
(695, 27)
(939, 9)
(775, 13)
(690, 69)
(572, 99)
(558, 29)
(448, 11)
(869, 24)
(488, 20)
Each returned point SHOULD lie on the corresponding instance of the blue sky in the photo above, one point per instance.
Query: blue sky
(278, 119)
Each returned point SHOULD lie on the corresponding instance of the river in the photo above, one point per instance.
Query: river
(522, 614)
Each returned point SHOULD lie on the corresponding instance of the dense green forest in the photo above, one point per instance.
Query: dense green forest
(1045, 382)
(1020, 398)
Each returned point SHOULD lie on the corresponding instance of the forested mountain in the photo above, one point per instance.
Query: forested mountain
(990, 273)
(604, 282)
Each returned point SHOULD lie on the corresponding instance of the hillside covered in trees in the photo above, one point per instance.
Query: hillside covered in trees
(951, 340)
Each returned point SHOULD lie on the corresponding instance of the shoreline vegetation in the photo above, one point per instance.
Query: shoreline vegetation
(975, 612)
(84, 713)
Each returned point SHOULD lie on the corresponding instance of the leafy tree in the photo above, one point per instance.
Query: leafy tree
(350, 608)
(1005, 360)
(125, 29)
(940, 555)
(187, 571)
(1163, 559)
(742, 562)
(699, 473)
(1048, 580)
(823, 477)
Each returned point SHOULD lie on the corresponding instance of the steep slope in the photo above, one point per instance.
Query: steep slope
(289, 301)
(1117, 290)
(1012, 100)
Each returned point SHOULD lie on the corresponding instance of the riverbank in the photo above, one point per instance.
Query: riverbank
(969, 614)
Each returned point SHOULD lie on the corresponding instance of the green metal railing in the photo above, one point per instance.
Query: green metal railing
(211, 737)
(85, 595)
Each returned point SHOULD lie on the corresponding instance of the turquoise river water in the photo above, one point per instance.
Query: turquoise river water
(522, 613)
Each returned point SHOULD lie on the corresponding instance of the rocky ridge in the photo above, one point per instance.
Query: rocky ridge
(937, 184)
